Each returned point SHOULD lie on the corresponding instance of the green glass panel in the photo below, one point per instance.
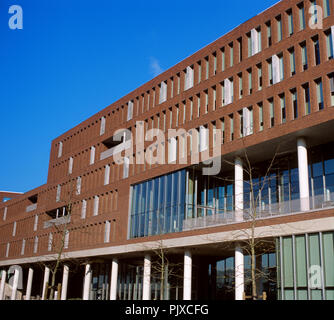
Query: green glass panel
(316, 295)
(301, 269)
(328, 248)
(302, 294)
(314, 252)
(288, 294)
(330, 294)
(287, 262)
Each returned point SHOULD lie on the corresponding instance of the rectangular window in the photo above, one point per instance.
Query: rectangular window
(199, 71)
(270, 71)
(214, 63)
(83, 209)
(206, 68)
(222, 123)
(60, 149)
(107, 232)
(4, 214)
(35, 244)
(277, 68)
(171, 87)
(240, 85)
(103, 126)
(292, 61)
(250, 83)
(7, 249)
(320, 95)
(283, 108)
(66, 239)
(130, 111)
(163, 92)
(96, 205)
(307, 99)
(259, 74)
(301, 16)
(50, 240)
(330, 44)
(316, 50)
(231, 55)
(198, 113)
(106, 174)
(36, 222)
(271, 112)
(269, 36)
(260, 108)
(203, 138)
(279, 28)
(126, 167)
(326, 8)
(58, 193)
(250, 47)
(78, 188)
(281, 67)
(14, 229)
(23, 246)
(231, 127)
(223, 59)
(294, 103)
(172, 150)
(70, 165)
(331, 87)
(304, 56)
(228, 91)
(178, 83)
(92, 155)
(189, 78)
(240, 48)
(290, 22)
(214, 98)
(247, 121)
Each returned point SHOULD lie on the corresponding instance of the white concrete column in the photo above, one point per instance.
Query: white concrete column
(303, 175)
(15, 282)
(238, 189)
(114, 276)
(239, 273)
(64, 283)
(87, 282)
(29, 283)
(2, 285)
(45, 281)
(187, 275)
(147, 278)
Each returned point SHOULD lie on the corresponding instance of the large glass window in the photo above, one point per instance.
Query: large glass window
(158, 205)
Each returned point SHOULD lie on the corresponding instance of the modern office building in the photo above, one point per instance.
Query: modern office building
(246, 175)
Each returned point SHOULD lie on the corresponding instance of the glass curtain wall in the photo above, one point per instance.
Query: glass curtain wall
(158, 205)
(305, 267)
(161, 205)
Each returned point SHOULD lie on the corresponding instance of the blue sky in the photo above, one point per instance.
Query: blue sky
(76, 57)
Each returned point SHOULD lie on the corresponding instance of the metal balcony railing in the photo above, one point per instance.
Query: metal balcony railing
(211, 217)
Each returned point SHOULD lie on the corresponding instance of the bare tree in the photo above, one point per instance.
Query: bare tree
(164, 269)
(58, 243)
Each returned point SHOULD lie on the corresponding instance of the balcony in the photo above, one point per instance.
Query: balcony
(212, 217)
(31, 207)
(115, 150)
(57, 222)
